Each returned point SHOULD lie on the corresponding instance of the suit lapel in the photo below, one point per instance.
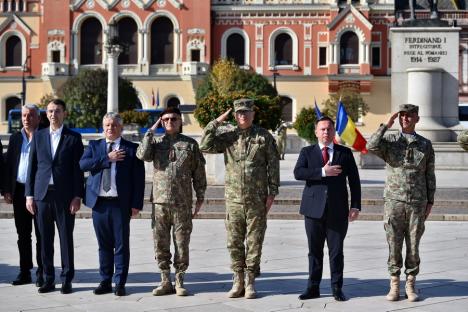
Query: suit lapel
(49, 144)
(62, 138)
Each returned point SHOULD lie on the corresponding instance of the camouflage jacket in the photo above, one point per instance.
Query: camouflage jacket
(251, 158)
(178, 163)
(410, 165)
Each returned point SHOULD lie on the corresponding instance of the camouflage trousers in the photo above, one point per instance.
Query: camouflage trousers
(404, 222)
(245, 223)
(178, 218)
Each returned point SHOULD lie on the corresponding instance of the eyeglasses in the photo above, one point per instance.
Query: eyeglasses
(243, 112)
(173, 119)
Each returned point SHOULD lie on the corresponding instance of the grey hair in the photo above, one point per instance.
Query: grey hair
(114, 116)
(31, 107)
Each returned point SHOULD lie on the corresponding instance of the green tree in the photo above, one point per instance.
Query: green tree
(305, 124)
(226, 83)
(353, 103)
(86, 97)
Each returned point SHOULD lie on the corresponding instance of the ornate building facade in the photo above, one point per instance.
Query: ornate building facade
(308, 48)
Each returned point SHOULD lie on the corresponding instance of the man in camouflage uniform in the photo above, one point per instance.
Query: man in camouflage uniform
(409, 194)
(463, 139)
(178, 164)
(252, 181)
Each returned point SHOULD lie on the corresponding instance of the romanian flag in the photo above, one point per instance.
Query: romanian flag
(153, 101)
(157, 98)
(318, 113)
(347, 131)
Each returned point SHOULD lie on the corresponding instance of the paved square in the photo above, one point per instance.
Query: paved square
(443, 281)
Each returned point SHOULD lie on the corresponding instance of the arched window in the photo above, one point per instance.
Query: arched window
(11, 103)
(283, 49)
(91, 42)
(236, 49)
(173, 102)
(13, 51)
(128, 37)
(5, 6)
(286, 108)
(162, 41)
(21, 5)
(349, 48)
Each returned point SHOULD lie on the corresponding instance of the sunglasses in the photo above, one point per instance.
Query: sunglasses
(173, 119)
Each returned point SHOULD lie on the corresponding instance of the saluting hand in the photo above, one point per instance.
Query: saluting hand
(156, 124)
(224, 116)
(332, 171)
(392, 119)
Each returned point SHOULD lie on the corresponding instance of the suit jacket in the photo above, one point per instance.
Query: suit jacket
(129, 176)
(2, 169)
(64, 166)
(320, 191)
(12, 162)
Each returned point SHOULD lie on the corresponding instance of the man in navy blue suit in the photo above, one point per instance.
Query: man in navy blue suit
(53, 190)
(325, 166)
(114, 190)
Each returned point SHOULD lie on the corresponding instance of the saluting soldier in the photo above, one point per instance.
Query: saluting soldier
(178, 164)
(252, 181)
(409, 194)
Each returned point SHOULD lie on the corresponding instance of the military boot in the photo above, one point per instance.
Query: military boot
(394, 293)
(165, 287)
(237, 289)
(179, 284)
(250, 292)
(410, 290)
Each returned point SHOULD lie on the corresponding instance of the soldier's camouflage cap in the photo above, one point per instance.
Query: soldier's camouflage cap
(243, 104)
(409, 108)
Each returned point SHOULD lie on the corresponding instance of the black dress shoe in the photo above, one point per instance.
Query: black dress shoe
(103, 288)
(47, 287)
(66, 288)
(310, 293)
(21, 279)
(39, 281)
(120, 290)
(338, 294)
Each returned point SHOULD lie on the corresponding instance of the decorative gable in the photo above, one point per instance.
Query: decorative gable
(349, 16)
(14, 21)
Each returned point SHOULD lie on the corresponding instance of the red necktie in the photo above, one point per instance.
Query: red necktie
(325, 155)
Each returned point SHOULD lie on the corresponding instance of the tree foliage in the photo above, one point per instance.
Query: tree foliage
(131, 116)
(353, 103)
(226, 83)
(305, 124)
(86, 97)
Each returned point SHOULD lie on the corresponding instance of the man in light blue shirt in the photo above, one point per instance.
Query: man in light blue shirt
(17, 162)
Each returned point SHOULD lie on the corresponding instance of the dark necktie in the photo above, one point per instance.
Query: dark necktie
(325, 155)
(106, 173)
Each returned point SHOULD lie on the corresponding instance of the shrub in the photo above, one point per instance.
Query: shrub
(130, 116)
(305, 124)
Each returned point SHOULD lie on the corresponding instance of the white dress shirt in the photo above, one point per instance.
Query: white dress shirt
(113, 190)
(330, 155)
(24, 159)
(54, 142)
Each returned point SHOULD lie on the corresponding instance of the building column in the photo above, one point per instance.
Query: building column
(113, 52)
(464, 72)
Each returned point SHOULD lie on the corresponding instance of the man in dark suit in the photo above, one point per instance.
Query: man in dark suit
(16, 171)
(114, 190)
(325, 166)
(54, 189)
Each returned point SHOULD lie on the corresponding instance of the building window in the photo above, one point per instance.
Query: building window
(162, 41)
(5, 6)
(56, 56)
(195, 55)
(376, 57)
(11, 103)
(322, 56)
(91, 42)
(286, 108)
(173, 102)
(236, 49)
(21, 5)
(349, 48)
(283, 49)
(13, 51)
(128, 37)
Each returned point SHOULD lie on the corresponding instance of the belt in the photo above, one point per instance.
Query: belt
(107, 198)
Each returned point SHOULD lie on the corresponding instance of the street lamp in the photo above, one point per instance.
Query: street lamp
(113, 49)
(23, 81)
(275, 74)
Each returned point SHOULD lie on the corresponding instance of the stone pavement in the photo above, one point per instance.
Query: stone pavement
(442, 283)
